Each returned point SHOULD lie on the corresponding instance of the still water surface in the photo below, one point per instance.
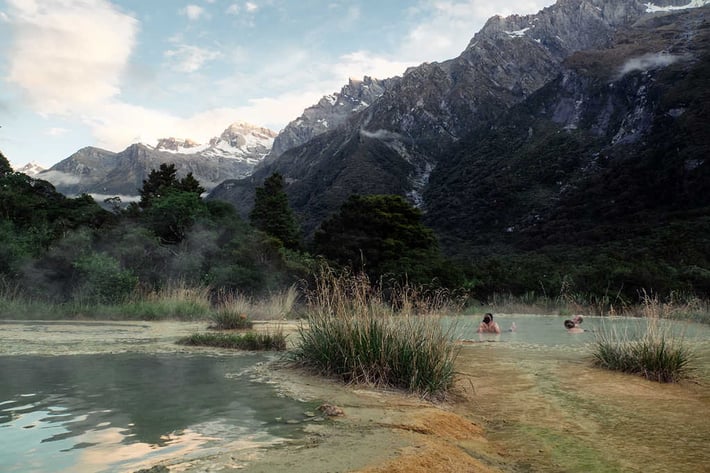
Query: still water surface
(548, 330)
(92, 413)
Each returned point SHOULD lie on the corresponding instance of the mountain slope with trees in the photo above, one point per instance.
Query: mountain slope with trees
(565, 149)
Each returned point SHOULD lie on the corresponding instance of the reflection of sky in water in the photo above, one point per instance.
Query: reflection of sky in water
(115, 412)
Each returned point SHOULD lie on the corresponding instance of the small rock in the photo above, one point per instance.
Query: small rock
(331, 410)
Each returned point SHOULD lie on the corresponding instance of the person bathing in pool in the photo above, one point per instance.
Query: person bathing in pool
(573, 327)
(488, 325)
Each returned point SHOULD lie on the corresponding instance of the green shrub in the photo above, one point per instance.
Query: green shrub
(247, 341)
(102, 280)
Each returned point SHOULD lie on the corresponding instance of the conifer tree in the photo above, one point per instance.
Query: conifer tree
(5, 167)
(163, 180)
(272, 214)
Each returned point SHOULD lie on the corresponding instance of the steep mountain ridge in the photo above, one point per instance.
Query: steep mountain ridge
(394, 145)
(91, 170)
(330, 112)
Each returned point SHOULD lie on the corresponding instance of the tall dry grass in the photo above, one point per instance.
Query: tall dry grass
(653, 351)
(238, 311)
(359, 333)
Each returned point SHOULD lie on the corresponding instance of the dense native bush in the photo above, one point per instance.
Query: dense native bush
(102, 280)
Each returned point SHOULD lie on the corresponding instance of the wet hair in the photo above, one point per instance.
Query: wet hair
(579, 319)
(488, 318)
(569, 324)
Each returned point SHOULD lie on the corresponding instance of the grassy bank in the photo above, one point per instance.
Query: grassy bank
(174, 302)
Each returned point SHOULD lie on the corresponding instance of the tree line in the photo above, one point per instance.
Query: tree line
(60, 248)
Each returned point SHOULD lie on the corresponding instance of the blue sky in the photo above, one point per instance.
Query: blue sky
(109, 73)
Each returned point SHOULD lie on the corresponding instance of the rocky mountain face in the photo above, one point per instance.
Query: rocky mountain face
(103, 173)
(329, 113)
(414, 130)
(614, 147)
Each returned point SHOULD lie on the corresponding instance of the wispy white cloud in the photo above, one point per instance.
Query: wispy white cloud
(187, 58)
(649, 62)
(121, 124)
(56, 131)
(67, 55)
(193, 12)
(251, 7)
(363, 63)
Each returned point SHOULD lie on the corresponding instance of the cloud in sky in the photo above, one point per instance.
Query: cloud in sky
(66, 55)
(193, 12)
(56, 131)
(187, 58)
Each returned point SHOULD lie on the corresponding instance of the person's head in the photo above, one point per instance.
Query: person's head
(578, 319)
(569, 324)
(487, 318)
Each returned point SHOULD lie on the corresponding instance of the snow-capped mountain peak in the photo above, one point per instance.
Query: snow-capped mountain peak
(243, 141)
(177, 145)
(31, 169)
(240, 140)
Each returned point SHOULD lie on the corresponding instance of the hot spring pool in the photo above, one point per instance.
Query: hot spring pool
(548, 331)
(103, 412)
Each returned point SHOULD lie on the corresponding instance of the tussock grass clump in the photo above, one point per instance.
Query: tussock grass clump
(277, 306)
(231, 313)
(655, 353)
(251, 341)
(353, 333)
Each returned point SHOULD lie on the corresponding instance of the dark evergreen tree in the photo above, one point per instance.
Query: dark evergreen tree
(383, 234)
(163, 180)
(272, 214)
(5, 167)
(190, 184)
(158, 182)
